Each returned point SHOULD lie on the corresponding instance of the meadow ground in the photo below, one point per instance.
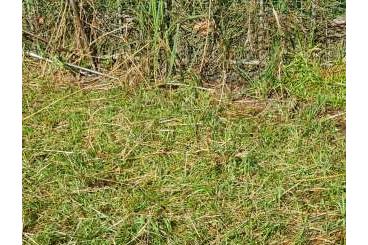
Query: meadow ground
(112, 163)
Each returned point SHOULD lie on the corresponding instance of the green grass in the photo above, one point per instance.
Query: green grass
(119, 164)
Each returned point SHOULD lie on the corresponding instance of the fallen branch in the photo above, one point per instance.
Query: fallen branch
(39, 57)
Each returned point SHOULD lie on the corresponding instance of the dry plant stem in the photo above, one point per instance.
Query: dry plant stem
(35, 36)
(182, 84)
(36, 56)
(262, 32)
(224, 76)
(130, 57)
(106, 34)
(207, 33)
(281, 36)
(249, 34)
(56, 34)
(54, 102)
(83, 40)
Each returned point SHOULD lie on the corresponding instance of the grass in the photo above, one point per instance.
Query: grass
(141, 164)
(161, 39)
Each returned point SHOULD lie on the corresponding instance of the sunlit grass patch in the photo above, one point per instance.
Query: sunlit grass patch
(150, 165)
